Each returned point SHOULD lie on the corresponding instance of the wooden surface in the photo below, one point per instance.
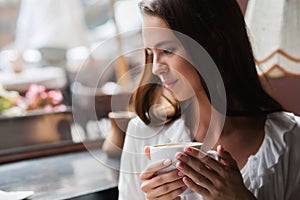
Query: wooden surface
(35, 129)
(38, 151)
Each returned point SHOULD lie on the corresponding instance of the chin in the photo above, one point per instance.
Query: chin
(181, 97)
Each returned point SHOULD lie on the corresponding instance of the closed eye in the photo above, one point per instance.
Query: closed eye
(169, 51)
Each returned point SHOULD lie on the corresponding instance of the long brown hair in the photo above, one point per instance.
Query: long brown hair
(150, 93)
(219, 27)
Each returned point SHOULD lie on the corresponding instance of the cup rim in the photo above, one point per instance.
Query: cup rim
(176, 145)
(121, 114)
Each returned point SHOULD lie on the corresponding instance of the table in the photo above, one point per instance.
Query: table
(36, 127)
(66, 176)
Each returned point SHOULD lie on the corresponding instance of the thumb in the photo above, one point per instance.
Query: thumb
(227, 158)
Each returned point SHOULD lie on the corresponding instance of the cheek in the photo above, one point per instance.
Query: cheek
(185, 90)
(192, 80)
(188, 89)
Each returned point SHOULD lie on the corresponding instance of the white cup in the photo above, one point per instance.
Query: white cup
(168, 151)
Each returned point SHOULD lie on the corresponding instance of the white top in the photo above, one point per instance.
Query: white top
(272, 173)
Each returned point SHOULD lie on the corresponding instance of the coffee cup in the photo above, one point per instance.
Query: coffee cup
(169, 150)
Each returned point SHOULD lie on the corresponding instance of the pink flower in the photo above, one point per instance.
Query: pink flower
(48, 108)
(37, 97)
(55, 96)
(35, 93)
(35, 90)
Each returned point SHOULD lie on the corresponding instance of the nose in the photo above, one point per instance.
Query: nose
(158, 67)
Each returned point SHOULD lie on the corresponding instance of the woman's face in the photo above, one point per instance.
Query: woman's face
(169, 59)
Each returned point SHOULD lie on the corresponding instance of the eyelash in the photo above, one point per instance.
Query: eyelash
(169, 51)
(165, 51)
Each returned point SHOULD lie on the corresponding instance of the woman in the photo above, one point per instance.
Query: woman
(257, 145)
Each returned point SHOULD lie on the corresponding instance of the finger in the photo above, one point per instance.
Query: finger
(172, 195)
(195, 187)
(151, 170)
(166, 190)
(192, 167)
(227, 158)
(147, 152)
(207, 160)
(161, 179)
(198, 178)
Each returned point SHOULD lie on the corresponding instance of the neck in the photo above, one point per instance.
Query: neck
(243, 124)
(198, 112)
(242, 137)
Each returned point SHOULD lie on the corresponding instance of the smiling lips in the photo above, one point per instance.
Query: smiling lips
(170, 85)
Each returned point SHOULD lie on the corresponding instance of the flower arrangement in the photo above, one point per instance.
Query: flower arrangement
(36, 98)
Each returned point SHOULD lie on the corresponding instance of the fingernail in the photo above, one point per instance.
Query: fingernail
(179, 166)
(183, 158)
(220, 148)
(185, 180)
(167, 162)
(188, 149)
(178, 155)
(180, 174)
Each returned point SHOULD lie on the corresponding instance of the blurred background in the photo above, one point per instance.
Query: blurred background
(67, 72)
(71, 52)
(63, 63)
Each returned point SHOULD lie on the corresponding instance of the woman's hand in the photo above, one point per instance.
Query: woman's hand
(210, 178)
(165, 186)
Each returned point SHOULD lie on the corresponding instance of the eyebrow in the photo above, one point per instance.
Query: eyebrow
(163, 43)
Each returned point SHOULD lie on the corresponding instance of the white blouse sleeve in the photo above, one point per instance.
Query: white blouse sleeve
(292, 163)
(273, 172)
(133, 161)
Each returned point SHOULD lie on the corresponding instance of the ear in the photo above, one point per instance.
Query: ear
(147, 152)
